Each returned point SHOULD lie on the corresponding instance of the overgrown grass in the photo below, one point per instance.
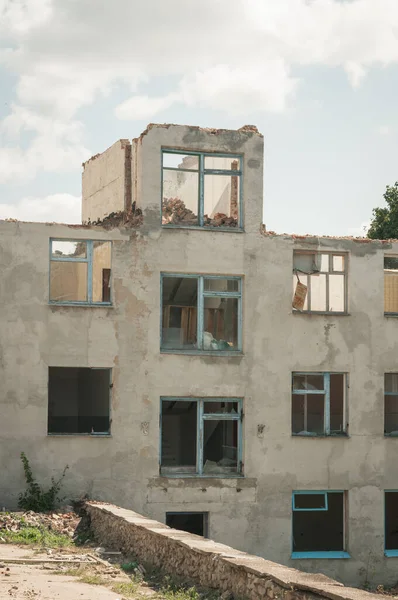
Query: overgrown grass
(36, 536)
(94, 579)
(128, 589)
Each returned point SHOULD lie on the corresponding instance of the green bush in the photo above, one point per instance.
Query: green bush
(34, 497)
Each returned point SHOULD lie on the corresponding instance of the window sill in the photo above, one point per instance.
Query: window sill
(331, 554)
(203, 352)
(89, 305)
(394, 315)
(321, 435)
(324, 313)
(391, 553)
(199, 228)
(391, 435)
(86, 435)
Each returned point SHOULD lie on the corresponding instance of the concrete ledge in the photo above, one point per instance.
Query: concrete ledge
(209, 563)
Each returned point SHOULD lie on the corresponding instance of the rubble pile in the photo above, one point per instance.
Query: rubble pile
(123, 218)
(174, 212)
(61, 522)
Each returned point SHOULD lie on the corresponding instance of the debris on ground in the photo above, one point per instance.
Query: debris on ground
(174, 212)
(58, 522)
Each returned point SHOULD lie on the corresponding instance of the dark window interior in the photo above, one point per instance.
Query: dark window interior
(391, 520)
(179, 420)
(106, 285)
(192, 522)
(320, 530)
(78, 400)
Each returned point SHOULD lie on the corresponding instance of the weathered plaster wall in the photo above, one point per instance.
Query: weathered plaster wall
(104, 182)
(208, 563)
(251, 513)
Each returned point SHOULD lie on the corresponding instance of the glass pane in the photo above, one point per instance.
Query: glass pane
(338, 263)
(220, 447)
(337, 389)
(70, 249)
(101, 271)
(179, 426)
(68, 281)
(391, 382)
(308, 415)
(220, 324)
(336, 293)
(228, 163)
(391, 262)
(391, 414)
(221, 407)
(305, 263)
(306, 501)
(181, 161)
(179, 328)
(318, 292)
(221, 200)
(180, 198)
(324, 260)
(221, 285)
(308, 382)
(390, 291)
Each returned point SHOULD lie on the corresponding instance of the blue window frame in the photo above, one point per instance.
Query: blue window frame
(80, 272)
(201, 437)
(202, 189)
(391, 404)
(391, 523)
(319, 404)
(318, 524)
(201, 313)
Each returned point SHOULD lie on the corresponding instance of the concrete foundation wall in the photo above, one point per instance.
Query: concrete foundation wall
(253, 513)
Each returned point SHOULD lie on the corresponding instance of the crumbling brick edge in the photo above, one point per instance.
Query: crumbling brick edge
(208, 563)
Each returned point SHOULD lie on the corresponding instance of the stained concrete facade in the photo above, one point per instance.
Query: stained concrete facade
(252, 512)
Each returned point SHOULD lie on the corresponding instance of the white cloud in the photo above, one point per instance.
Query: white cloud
(144, 107)
(236, 56)
(62, 208)
(384, 130)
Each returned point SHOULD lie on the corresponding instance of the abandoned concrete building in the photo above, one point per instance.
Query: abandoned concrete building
(192, 366)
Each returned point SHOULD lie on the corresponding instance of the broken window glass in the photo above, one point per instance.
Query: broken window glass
(391, 404)
(78, 400)
(318, 404)
(80, 272)
(219, 301)
(318, 525)
(201, 189)
(194, 440)
(391, 284)
(319, 282)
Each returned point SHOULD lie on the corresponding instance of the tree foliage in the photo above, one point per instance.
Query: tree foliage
(384, 224)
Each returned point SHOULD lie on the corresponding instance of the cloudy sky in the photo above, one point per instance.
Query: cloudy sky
(319, 78)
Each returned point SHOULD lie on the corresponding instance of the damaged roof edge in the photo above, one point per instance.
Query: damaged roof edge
(312, 238)
(249, 129)
(123, 144)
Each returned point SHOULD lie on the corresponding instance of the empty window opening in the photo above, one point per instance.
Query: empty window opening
(391, 520)
(201, 436)
(319, 282)
(391, 404)
(201, 313)
(318, 521)
(192, 522)
(319, 404)
(80, 272)
(78, 400)
(201, 189)
(391, 284)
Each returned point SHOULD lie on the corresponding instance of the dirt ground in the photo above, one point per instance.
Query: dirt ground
(26, 574)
